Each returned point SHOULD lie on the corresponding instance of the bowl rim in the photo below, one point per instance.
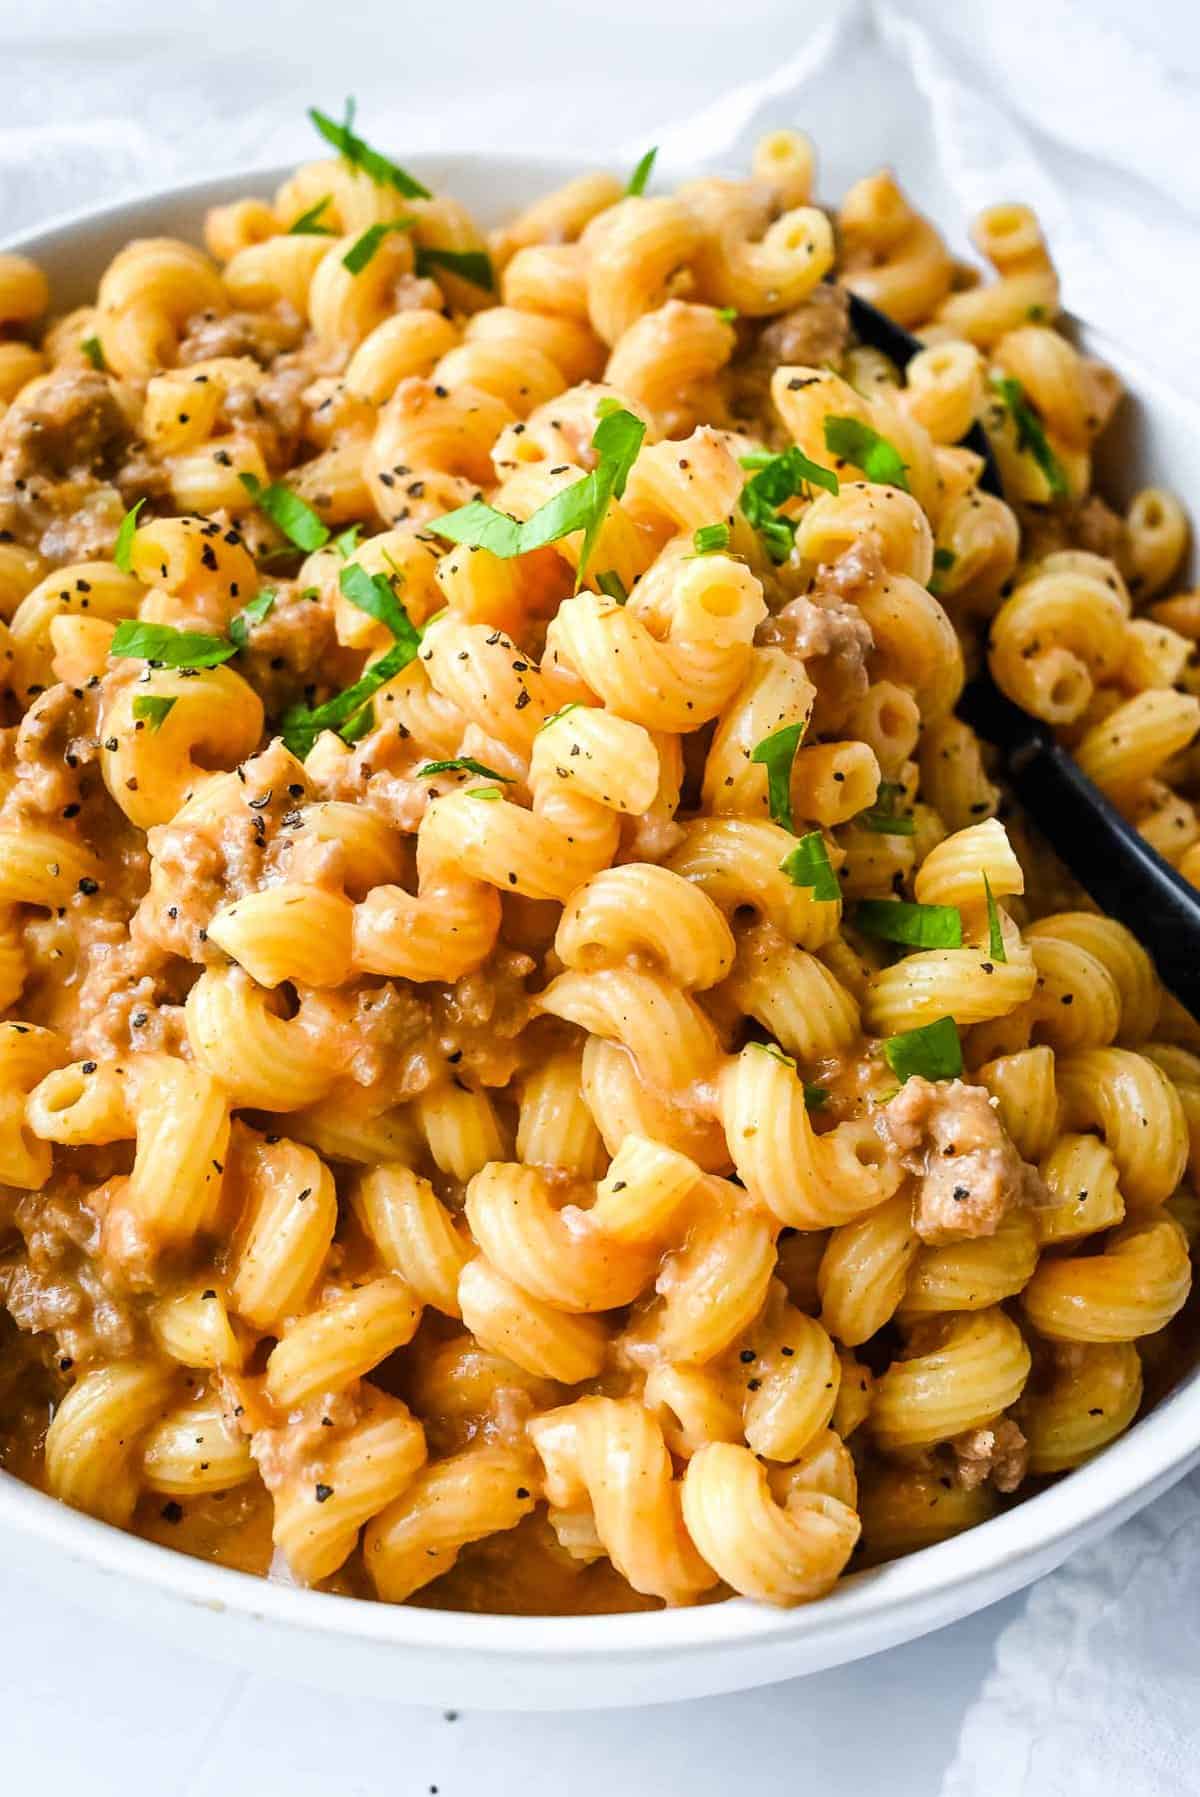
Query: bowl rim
(1159, 1449)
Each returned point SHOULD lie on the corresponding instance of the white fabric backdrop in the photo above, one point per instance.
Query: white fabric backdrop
(1094, 1686)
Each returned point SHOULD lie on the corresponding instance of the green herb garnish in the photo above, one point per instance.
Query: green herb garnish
(363, 248)
(581, 506)
(571, 705)
(995, 933)
(259, 608)
(612, 586)
(346, 542)
(809, 865)
(92, 349)
(149, 709)
(852, 441)
(935, 1052)
(167, 647)
(362, 156)
(641, 174)
(944, 559)
(727, 314)
(776, 753)
(470, 265)
(123, 553)
(917, 926)
(375, 595)
(815, 1096)
(293, 515)
(710, 539)
(349, 711)
(1031, 434)
(461, 764)
(306, 225)
(883, 817)
(484, 792)
(779, 478)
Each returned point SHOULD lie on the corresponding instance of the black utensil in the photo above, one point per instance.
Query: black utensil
(1128, 879)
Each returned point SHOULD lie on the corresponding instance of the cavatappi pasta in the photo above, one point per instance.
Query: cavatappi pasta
(540, 1070)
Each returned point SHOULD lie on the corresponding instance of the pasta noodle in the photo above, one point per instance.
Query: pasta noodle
(538, 1058)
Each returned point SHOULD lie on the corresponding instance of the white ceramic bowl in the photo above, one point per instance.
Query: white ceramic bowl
(503, 1662)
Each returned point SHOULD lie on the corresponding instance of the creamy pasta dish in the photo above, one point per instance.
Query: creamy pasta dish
(541, 1071)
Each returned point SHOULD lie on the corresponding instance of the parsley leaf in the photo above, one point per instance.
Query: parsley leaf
(815, 1096)
(779, 478)
(581, 506)
(917, 926)
(1031, 434)
(294, 516)
(349, 711)
(362, 156)
(485, 792)
(612, 586)
(711, 538)
(776, 753)
(944, 559)
(374, 594)
(809, 865)
(148, 708)
(934, 1051)
(123, 552)
(259, 608)
(470, 265)
(641, 174)
(995, 934)
(91, 348)
(169, 647)
(571, 705)
(363, 248)
(863, 447)
(461, 764)
(306, 225)
(727, 314)
(883, 817)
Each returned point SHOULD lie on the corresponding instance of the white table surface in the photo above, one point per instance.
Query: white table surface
(87, 1704)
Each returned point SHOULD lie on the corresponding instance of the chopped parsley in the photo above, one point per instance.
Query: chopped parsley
(863, 447)
(944, 559)
(935, 1052)
(349, 712)
(361, 156)
(167, 647)
(882, 817)
(92, 349)
(778, 479)
(123, 553)
(612, 586)
(460, 764)
(995, 934)
(776, 753)
(916, 926)
(581, 506)
(641, 174)
(259, 608)
(814, 1096)
(375, 595)
(148, 708)
(363, 248)
(1031, 433)
(307, 226)
(809, 865)
(485, 792)
(710, 539)
(293, 515)
(727, 314)
(571, 705)
(470, 265)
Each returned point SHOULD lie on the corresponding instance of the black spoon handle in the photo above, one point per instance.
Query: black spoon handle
(1127, 878)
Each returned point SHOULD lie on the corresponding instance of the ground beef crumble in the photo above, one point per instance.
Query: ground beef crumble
(968, 1172)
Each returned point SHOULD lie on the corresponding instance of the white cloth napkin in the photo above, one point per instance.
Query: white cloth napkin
(1096, 1687)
